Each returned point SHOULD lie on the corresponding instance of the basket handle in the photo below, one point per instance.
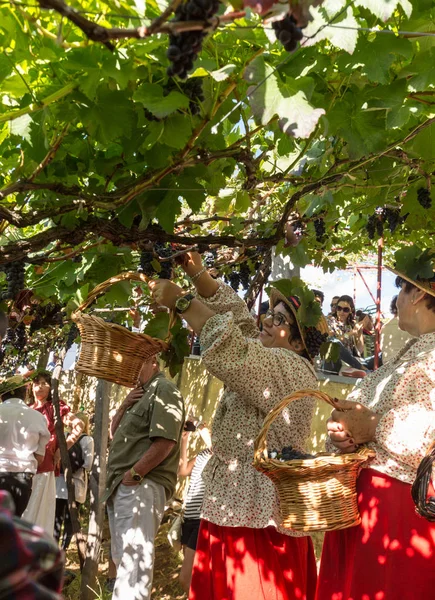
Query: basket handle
(126, 276)
(260, 445)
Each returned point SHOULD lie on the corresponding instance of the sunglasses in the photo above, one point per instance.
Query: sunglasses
(344, 309)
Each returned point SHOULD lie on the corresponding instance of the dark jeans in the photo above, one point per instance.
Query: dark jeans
(347, 357)
(63, 517)
(19, 485)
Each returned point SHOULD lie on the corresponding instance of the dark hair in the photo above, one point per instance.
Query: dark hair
(393, 306)
(3, 324)
(320, 294)
(351, 316)
(408, 286)
(17, 393)
(264, 307)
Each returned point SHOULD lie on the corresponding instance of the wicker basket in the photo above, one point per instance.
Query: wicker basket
(110, 351)
(315, 494)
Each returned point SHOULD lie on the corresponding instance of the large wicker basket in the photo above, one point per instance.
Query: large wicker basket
(110, 351)
(317, 494)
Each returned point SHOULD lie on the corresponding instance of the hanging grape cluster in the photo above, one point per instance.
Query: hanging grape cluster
(320, 229)
(149, 261)
(14, 279)
(184, 47)
(44, 316)
(382, 217)
(313, 340)
(424, 198)
(72, 334)
(288, 33)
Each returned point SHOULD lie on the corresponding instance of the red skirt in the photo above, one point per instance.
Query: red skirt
(240, 563)
(389, 556)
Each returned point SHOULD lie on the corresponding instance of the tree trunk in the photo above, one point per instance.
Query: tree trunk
(97, 483)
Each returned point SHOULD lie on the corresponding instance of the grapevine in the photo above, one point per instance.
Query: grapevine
(319, 226)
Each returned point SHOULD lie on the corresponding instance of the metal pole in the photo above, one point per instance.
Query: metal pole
(378, 304)
(365, 283)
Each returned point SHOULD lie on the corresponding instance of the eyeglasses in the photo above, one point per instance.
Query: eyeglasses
(344, 309)
(278, 319)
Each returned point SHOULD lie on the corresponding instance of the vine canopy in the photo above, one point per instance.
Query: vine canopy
(101, 152)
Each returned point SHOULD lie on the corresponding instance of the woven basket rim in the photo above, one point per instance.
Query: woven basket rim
(115, 327)
(320, 459)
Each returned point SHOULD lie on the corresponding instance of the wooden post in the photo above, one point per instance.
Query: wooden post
(378, 304)
(97, 483)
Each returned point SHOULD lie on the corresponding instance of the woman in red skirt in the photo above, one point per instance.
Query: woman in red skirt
(391, 554)
(242, 552)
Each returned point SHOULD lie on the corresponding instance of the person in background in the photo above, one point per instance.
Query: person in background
(390, 555)
(141, 476)
(347, 334)
(319, 296)
(334, 301)
(80, 479)
(42, 504)
(195, 495)
(392, 337)
(24, 435)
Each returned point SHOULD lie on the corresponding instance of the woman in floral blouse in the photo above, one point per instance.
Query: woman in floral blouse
(242, 551)
(391, 554)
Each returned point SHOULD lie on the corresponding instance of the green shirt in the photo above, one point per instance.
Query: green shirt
(159, 413)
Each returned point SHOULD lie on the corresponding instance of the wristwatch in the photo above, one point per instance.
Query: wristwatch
(183, 302)
(135, 476)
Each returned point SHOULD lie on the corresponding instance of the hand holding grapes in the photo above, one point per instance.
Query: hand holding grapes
(351, 424)
(165, 292)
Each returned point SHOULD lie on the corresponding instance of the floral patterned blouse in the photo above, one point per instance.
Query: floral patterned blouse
(256, 379)
(342, 331)
(403, 392)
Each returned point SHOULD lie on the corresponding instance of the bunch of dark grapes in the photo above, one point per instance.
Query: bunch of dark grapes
(313, 340)
(165, 251)
(319, 226)
(14, 278)
(423, 196)
(48, 315)
(288, 33)
(10, 336)
(245, 275)
(193, 90)
(77, 258)
(20, 337)
(371, 226)
(184, 47)
(145, 263)
(234, 279)
(72, 334)
(392, 217)
(289, 453)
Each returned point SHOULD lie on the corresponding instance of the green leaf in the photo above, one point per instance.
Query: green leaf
(318, 30)
(376, 56)
(158, 326)
(152, 98)
(177, 131)
(21, 127)
(223, 73)
(243, 201)
(297, 117)
(383, 9)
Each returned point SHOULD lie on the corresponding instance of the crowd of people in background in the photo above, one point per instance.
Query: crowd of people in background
(233, 542)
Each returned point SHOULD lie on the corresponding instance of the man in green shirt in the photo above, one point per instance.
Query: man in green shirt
(141, 476)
